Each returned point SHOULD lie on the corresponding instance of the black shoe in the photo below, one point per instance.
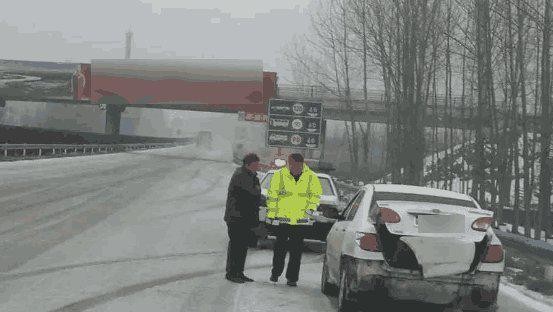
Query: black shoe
(292, 284)
(235, 279)
(245, 278)
(273, 279)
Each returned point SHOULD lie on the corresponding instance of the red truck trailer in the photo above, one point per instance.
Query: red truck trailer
(196, 84)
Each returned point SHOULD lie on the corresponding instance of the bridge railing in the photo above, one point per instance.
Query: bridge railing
(60, 150)
(375, 99)
(318, 92)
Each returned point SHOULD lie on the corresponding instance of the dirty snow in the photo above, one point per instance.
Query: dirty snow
(162, 250)
(530, 298)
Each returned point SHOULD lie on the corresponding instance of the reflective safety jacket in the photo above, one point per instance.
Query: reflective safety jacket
(289, 201)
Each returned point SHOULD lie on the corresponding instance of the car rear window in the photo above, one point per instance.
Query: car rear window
(325, 184)
(391, 196)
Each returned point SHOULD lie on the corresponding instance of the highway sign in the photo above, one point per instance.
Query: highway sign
(295, 108)
(292, 123)
(295, 124)
(277, 138)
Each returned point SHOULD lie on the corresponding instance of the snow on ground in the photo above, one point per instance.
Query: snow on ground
(530, 298)
(167, 231)
(18, 78)
(212, 293)
(509, 228)
(164, 250)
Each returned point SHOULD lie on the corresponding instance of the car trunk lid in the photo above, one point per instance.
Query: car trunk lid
(440, 236)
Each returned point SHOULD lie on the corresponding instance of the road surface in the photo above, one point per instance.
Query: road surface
(139, 231)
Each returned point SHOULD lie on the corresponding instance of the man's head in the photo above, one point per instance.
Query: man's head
(251, 162)
(295, 163)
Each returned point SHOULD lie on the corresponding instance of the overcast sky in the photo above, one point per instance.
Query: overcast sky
(237, 8)
(80, 30)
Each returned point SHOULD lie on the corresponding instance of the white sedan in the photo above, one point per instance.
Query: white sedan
(413, 243)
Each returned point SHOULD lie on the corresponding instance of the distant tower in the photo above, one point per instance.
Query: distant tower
(128, 44)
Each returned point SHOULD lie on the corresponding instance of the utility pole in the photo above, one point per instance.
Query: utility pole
(128, 44)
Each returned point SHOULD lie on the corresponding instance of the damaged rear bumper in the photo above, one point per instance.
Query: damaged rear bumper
(470, 290)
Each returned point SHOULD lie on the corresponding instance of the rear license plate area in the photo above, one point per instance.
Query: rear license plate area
(453, 223)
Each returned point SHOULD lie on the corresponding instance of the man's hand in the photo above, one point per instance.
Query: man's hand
(310, 214)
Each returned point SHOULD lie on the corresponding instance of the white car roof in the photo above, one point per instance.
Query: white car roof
(410, 189)
(320, 175)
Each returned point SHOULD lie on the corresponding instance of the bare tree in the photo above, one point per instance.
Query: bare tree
(521, 47)
(483, 57)
(545, 131)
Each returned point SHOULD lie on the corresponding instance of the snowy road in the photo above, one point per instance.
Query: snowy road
(139, 231)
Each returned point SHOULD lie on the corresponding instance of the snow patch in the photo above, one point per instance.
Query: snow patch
(530, 298)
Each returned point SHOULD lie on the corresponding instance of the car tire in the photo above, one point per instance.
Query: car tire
(327, 288)
(345, 304)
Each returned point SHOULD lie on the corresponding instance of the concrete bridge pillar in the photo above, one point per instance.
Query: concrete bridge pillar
(113, 119)
(115, 105)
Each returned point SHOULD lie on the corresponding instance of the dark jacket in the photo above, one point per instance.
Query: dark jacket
(243, 198)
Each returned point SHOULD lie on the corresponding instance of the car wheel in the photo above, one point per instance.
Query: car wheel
(344, 301)
(326, 287)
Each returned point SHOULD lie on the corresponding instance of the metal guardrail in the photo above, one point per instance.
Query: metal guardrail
(42, 150)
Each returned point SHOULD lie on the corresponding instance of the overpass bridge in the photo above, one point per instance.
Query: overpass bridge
(373, 110)
(50, 82)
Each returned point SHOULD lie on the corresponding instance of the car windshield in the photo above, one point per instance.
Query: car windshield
(392, 196)
(325, 184)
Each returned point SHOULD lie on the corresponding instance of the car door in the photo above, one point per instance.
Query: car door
(335, 237)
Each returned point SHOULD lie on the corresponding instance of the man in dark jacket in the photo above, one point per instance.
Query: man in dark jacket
(241, 216)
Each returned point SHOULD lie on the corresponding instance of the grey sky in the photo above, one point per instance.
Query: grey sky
(80, 30)
(237, 8)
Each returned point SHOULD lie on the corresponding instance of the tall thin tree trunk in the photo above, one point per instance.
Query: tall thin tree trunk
(533, 168)
(525, 153)
(514, 115)
(482, 27)
(545, 138)
(463, 107)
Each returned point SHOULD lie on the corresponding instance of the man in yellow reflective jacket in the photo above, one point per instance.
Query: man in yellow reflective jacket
(292, 199)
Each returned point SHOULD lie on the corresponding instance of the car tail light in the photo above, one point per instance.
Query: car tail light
(494, 254)
(388, 215)
(482, 224)
(368, 242)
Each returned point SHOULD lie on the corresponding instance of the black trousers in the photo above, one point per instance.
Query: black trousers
(239, 237)
(289, 238)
